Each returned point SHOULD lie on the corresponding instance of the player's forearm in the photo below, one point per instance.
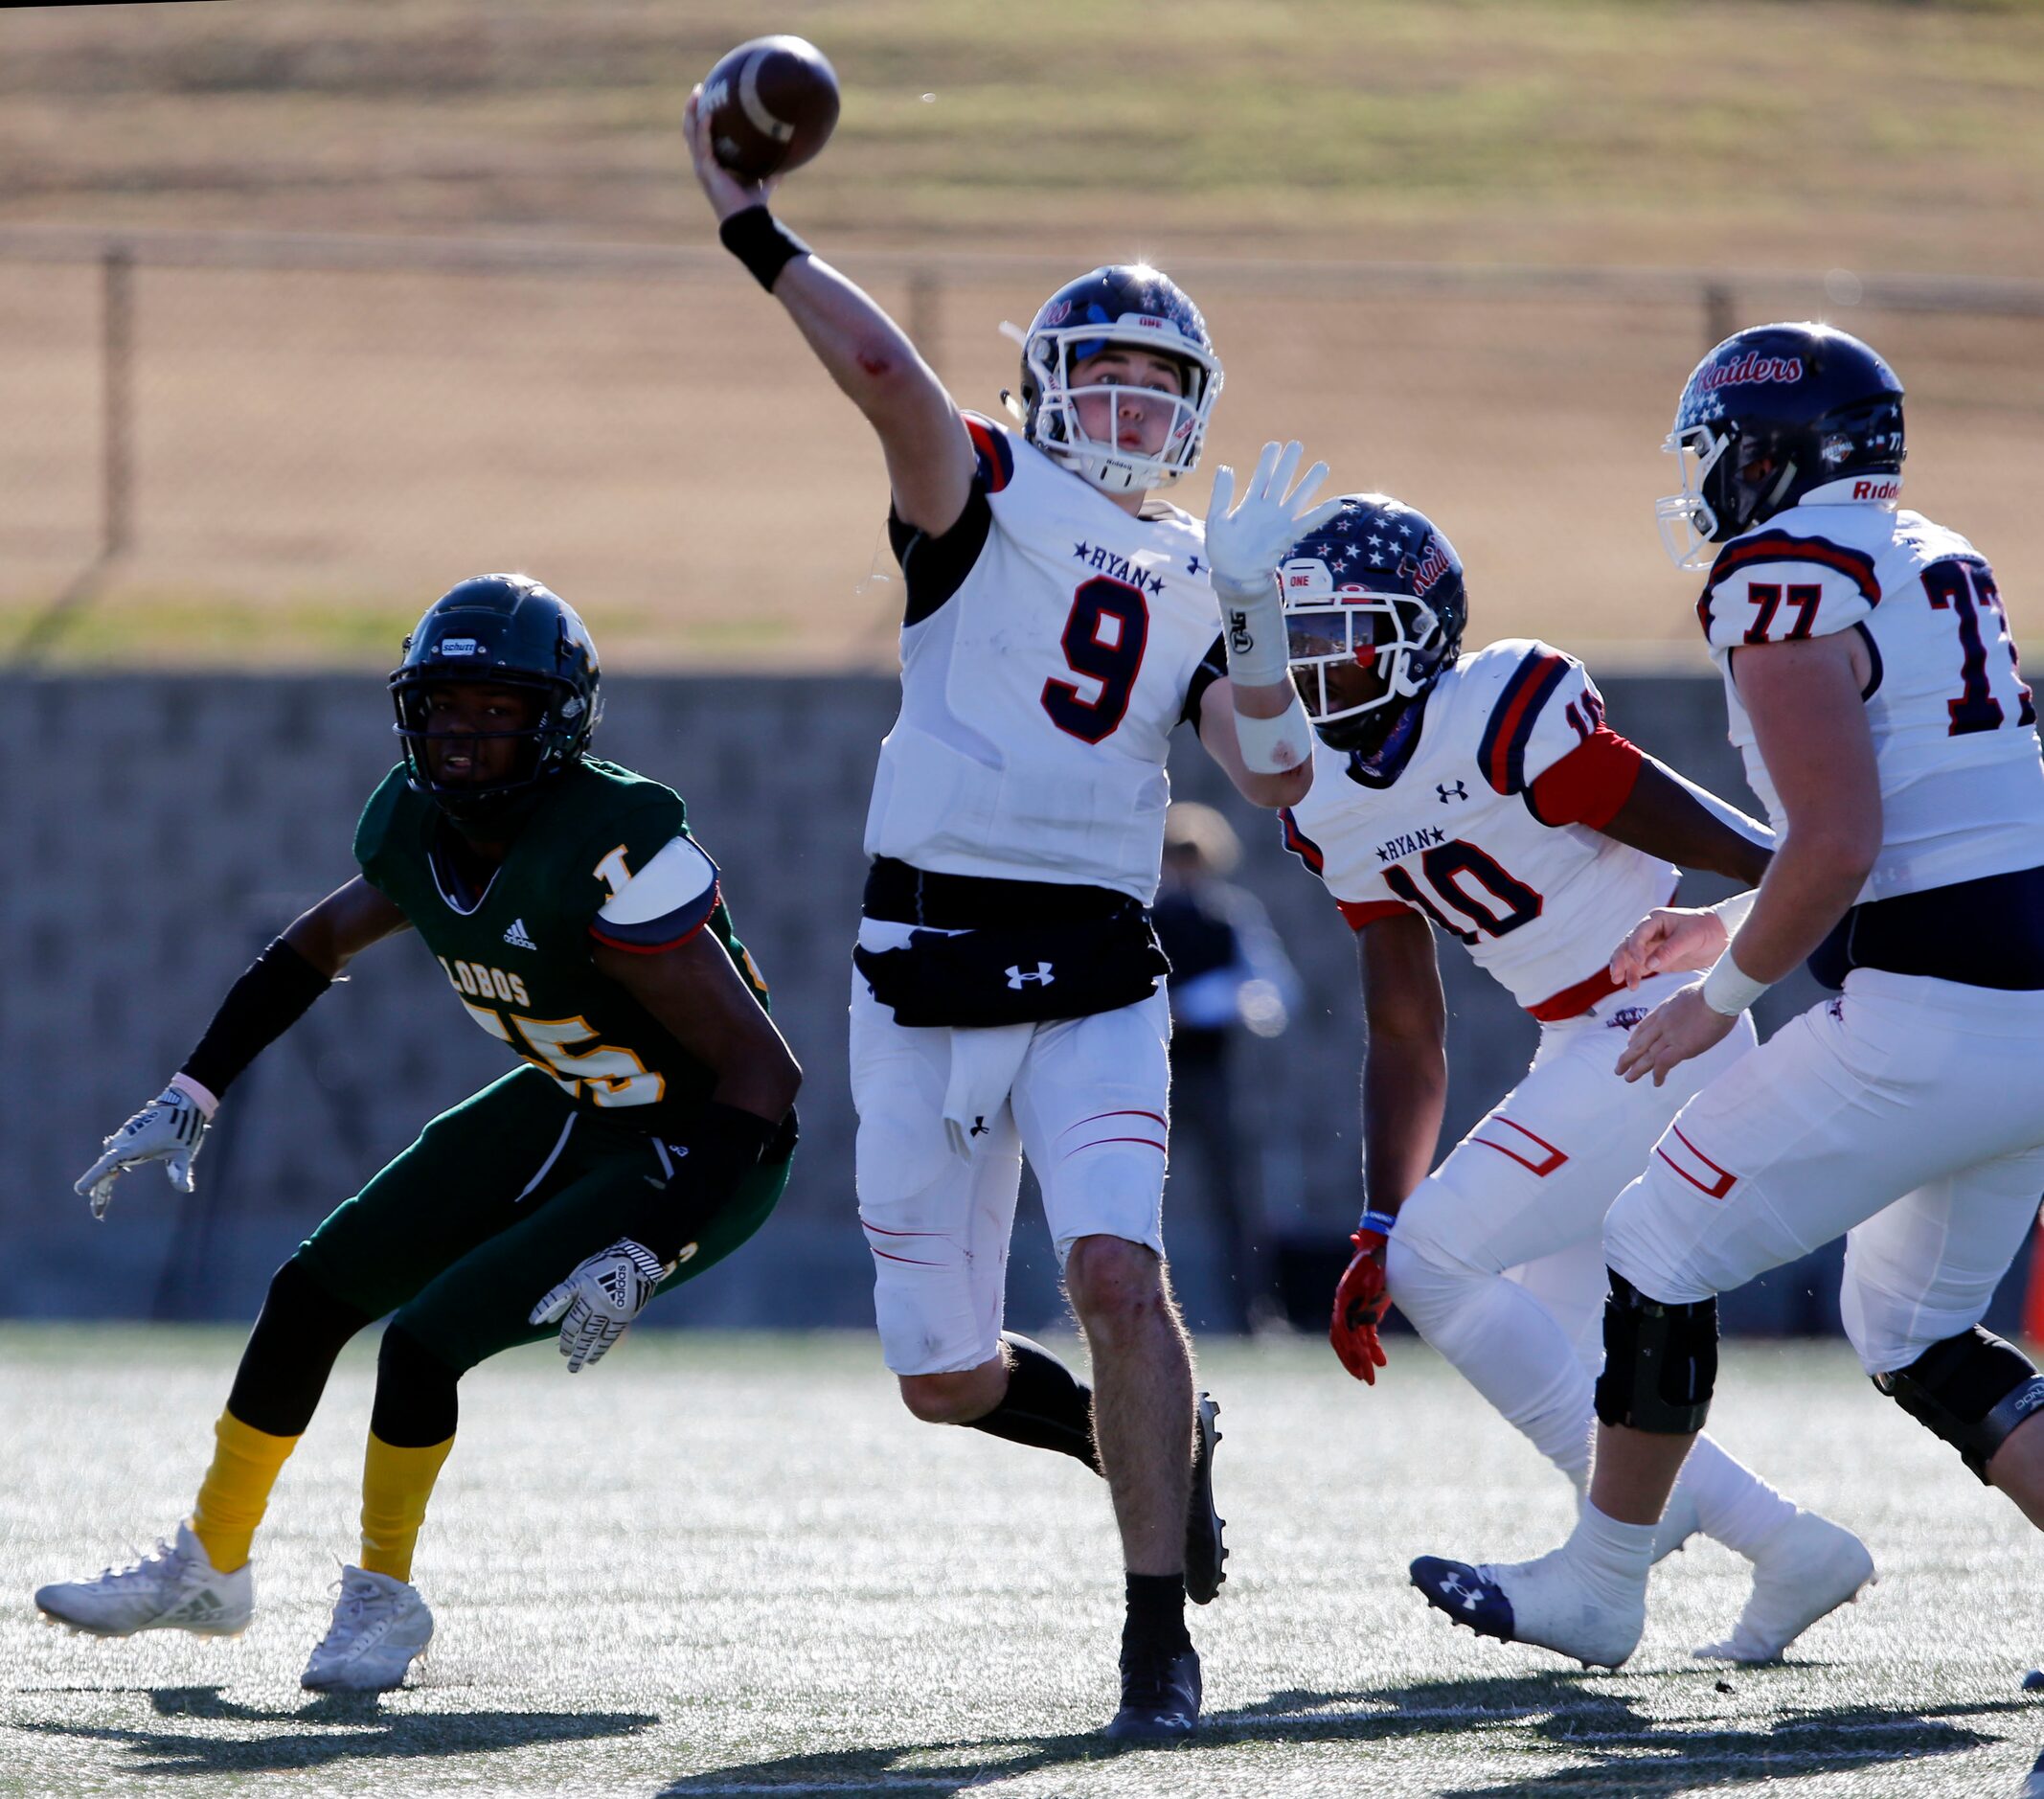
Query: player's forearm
(1816, 874)
(865, 352)
(762, 1081)
(1405, 1090)
(1675, 821)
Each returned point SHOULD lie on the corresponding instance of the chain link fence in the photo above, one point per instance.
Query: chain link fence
(290, 441)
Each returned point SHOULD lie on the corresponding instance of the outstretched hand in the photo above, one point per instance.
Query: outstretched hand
(1246, 541)
(727, 192)
(171, 1130)
(1678, 1028)
(1669, 938)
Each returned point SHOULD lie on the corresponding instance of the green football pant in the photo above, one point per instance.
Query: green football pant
(496, 1203)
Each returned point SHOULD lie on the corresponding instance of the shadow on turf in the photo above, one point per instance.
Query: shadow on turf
(1622, 1750)
(360, 1731)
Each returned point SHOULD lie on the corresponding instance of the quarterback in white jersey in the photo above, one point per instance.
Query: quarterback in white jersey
(1485, 796)
(1875, 691)
(1059, 625)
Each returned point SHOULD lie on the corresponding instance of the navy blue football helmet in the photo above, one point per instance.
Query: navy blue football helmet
(1373, 611)
(1772, 417)
(501, 630)
(1129, 305)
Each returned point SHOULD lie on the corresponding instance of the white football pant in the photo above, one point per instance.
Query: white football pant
(1088, 1106)
(1908, 1115)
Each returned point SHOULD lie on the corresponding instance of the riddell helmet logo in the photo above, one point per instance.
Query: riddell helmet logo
(1750, 368)
(1876, 489)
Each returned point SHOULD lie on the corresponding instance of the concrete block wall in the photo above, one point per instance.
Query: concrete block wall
(162, 828)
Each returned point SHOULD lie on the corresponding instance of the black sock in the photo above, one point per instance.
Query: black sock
(290, 1353)
(1046, 1406)
(418, 1401)
(1156, 1615)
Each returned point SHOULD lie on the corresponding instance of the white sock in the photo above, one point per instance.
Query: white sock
(1734, 1505)
(1610, 1554)
(1508, 1346)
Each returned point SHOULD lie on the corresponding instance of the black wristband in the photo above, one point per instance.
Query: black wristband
(271, 996)
(761, 243)
(726, 1147)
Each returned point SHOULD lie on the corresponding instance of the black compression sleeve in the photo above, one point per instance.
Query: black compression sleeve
(271, 996)
(726, 1147)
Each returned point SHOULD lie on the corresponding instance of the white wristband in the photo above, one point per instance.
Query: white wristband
(201, 1097)
(1728, 989)
(1731, 913)
(1275, 746)
(1254, 625)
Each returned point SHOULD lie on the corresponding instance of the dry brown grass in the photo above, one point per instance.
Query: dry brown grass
(318, 453)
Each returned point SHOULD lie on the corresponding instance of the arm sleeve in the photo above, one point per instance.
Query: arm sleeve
(1773, 588)
(1589, 784)
(662, 903)
(934, 568)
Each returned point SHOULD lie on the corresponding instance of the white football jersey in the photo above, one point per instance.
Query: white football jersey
(1454, 836)
(1954, 730)
(1037, 700)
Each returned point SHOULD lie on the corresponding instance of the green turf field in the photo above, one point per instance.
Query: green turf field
(722, 1566)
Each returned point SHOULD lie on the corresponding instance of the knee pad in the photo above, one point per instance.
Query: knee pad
(1972, 1390)
(1660, 1362)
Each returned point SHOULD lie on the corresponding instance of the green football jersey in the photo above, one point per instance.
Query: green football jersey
(517, 953)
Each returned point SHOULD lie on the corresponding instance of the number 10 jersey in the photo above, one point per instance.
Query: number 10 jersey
(1050, 644)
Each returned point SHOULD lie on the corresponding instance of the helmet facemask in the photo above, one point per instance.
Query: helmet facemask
(547, 747)
(1393, 636)
(1051, 404)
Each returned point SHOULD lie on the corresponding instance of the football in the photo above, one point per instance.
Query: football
(772, 103)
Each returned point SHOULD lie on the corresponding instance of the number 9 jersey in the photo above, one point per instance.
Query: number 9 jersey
(1954, 729)
(1050, 643)
(1492, 828)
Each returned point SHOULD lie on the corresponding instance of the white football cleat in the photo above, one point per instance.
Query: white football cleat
(1807, 1568)
(380, 1626)
(175, 1588)
(1546, 1602)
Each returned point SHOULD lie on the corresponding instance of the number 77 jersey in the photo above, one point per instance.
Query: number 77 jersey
(1050, 645)
(1953, 725)
(1490, 828)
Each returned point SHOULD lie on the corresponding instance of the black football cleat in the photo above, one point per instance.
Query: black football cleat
(1204, 1550)
(1160, 1698)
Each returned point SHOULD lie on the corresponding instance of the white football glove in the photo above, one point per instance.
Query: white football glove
(171, 1130)
(1246, 544)
(601, 1298)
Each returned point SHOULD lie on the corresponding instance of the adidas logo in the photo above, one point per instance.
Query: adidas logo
(516, 938)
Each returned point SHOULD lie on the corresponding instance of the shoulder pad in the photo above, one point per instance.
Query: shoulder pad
(1532, 680)
(993, 445)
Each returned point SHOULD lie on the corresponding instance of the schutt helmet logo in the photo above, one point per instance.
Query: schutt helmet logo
(1042, 973)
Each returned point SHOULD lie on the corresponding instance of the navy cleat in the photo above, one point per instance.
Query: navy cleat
(1467, 1595)
(1160, 1698)
(1204, 1550)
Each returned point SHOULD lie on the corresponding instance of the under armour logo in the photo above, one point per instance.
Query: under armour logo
(1456, 792)
(979, 1126)
(1193, 565)
(1042, 973)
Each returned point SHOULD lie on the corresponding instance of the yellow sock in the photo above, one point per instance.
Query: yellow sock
(395, 1486)
(236, 1492)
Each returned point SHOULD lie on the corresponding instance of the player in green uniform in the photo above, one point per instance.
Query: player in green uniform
(645, 1138)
